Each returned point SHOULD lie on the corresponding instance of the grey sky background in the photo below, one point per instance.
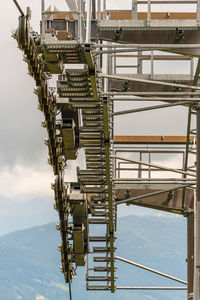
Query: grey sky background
(25, 177)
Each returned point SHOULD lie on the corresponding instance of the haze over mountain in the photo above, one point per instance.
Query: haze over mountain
(30, 261)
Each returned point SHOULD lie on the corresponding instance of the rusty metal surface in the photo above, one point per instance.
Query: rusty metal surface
(171, 201)
(150, 139)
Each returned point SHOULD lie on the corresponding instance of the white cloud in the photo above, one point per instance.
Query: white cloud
(41, 298)
(24, 182)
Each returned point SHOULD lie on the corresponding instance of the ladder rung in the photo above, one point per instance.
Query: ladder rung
(90, 172)
(97, 221)
(99, 214)
(100, 249)
(98, 278)
(97, 238)
(96, 165)
(99, 198)
(97, 288)
(101, 259)
(101, 269)
(93, 158)
(93, 189)
(91, 112)
(98, 206)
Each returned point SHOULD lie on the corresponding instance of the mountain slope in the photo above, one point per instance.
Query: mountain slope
(30, 261)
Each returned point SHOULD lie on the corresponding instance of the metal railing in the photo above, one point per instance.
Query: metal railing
(136, 172)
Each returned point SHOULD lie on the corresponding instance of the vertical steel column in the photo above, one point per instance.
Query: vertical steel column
(99, 10)
(42, 6)
(198, 12)
(148, 12)
(93, 9)
(192, 68)
(42, 16)
(110, 191)
(104, 9)
(190, 254)
(80, 6)
(139, 62)
(197, 227)
(152, 65)
(134, 10)
(88, 27)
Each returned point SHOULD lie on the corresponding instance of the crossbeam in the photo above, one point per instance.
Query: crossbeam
(142, 109)
(156, 82)
(154, 166)
(153, 194)
(150, 139)
(150, 270)
(18, 7)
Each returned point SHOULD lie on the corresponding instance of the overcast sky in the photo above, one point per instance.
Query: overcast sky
(25, 177)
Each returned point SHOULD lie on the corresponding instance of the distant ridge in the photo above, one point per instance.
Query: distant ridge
(30, 261)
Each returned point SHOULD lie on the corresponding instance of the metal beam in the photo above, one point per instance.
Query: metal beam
(153, 194)
(157, 82)
(151, 94)
(142, 109)
(155, 57)
(88, 23)
(150, 270)
(160, 288)
(107, 145)
(163, 99)
(18, 7)
(168, 2)
(197, 221)
(149, 46)
(190, 252)
(150, 139)
(154, 166)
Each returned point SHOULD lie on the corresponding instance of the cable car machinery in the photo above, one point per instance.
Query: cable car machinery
(84, 48)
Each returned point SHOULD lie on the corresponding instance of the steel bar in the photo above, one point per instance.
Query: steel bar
(148, 12)
(157, 82)
(110, 191)
(150, 288)
(151, 94)
(151, 270)
(177, 180)
(134, 10)
(42, 8)
(142, 109)
(88, 26)
(196, 78)
(155, 57)
(198, 12)
(168, 2)
(151, 181)
(154, 166)
(113, 51)
(197, 221)
(104, 9)
(98, 10)
(150, 139)
(165, 99)
(152, 194)
(149, 46)
(18, 7)
(190, 252)
(126, 66)
(93, 9)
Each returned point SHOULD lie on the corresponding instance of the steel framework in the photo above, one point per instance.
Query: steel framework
(88, 47)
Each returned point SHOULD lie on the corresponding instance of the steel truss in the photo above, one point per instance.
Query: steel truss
(81, 114)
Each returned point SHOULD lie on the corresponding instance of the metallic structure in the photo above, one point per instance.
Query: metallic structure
(87, 47)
